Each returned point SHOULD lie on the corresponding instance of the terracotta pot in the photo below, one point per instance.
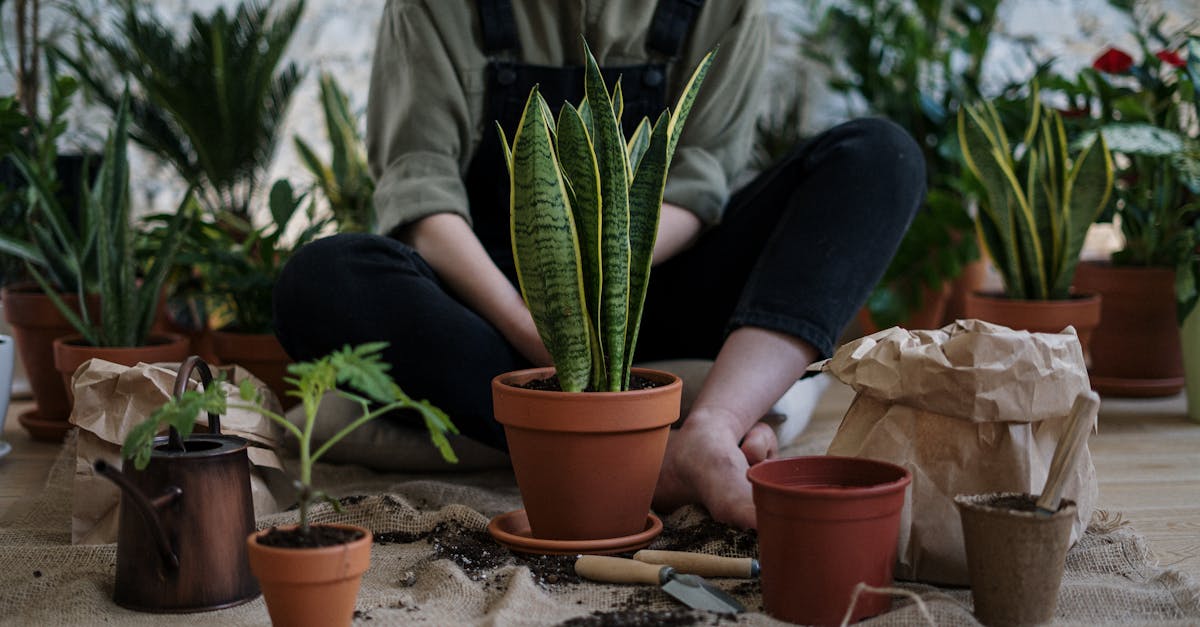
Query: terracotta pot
(824, 525)
(972, 280)
(1191, 361)
(929, 316)
(1038, 316)
(1136, 349)
(190, 323)
(316, 587)
(586, 462)
(36, 323)
(70, 353)
(261, 354)
(1015, 559)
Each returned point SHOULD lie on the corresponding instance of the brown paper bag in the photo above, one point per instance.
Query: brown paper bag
(970, 408)
(110, 399)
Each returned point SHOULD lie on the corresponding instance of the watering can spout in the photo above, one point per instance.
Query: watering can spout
(147, 507)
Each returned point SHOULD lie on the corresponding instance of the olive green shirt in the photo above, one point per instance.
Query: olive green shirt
(426, 108)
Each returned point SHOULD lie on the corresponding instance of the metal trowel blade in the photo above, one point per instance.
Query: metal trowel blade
(697, 593)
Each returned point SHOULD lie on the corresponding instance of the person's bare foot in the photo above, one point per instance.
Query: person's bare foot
(704, 465)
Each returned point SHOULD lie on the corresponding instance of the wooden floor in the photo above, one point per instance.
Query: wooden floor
(1147, 457)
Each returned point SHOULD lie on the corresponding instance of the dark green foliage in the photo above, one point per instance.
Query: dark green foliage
(345, 180)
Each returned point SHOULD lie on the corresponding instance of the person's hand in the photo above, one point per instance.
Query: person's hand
(706, 463)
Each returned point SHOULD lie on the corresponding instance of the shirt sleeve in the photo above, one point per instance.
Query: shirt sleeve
(418, 125)
(719, 132)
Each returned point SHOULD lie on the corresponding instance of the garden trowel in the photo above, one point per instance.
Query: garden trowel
(692, 590)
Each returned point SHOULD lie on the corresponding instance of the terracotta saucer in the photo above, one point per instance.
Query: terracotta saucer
(512, 531)
(1138, 388)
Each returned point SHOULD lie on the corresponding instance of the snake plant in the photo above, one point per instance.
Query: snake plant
(1040, 196)
(584, 216)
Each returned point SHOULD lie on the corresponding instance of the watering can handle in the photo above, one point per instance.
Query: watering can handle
(185, 374)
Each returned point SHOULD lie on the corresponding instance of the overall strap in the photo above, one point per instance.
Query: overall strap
(672, 21)
(499, 26)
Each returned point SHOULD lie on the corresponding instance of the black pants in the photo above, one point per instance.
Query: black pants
(797, 251)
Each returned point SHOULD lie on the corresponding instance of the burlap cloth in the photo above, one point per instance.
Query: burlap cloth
(434, 564)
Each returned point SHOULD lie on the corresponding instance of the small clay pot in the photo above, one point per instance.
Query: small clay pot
(70, 353)
(310, 587)
(261, 354)
(1015, 556)
(1038, 316)
(824, 525)
(586, 463)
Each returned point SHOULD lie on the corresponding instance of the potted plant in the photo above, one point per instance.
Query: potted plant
(587, 436)
(1039, 198)
(915, 64)
(345, 181)
(1147, 116)
(100, 254)
(309, 573)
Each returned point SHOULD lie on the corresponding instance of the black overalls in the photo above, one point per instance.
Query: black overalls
(796, 251)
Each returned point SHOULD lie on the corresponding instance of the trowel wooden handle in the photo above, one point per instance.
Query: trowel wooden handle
(701, 563)
(617, 570)
(1079, 427)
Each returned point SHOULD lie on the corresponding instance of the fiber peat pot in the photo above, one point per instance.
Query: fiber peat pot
(70, 353)
(1135, 350)
(36, 323)
(586, 462)
(314, 587)
(1015, 556)
(824, 525)
(261, 354)
(1038, 316)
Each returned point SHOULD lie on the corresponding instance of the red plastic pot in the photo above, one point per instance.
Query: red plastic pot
(586, 462)
(824, 525)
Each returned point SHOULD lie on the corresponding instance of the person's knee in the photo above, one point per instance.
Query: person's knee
(882, 147)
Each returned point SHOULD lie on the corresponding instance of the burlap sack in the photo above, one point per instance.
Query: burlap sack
(969, 408)
(110, 399)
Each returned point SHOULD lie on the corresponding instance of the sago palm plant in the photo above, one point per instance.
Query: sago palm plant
(584, 215)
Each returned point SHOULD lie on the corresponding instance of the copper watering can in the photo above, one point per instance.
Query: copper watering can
(183, 522)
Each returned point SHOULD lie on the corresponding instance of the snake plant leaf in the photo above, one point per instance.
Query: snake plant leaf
(638, 143)
(687, 98)
(507, 150)
(578, 160)
(585, 112)
(614, 231)
(548, 115)
(1088, 187)
(618, 102)
(545, 248)
(977, 140)
(1032, 256)
(645, 208)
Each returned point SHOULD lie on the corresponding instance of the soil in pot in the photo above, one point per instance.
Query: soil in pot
(317, 537)
(1015, 556)
(310, 586)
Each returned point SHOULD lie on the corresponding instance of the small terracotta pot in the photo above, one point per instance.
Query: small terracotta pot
(316, 587)
(70, 353)
(261, 354)
(824, 525)
(1038, 316)
(1015, 559)
(586, 462)
(1191, 361)
(1135, 350)
(36, 323)
(929, 316)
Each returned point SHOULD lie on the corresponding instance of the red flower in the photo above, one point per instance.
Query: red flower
(1170, 58)
(1074, 112)
(1113, 61)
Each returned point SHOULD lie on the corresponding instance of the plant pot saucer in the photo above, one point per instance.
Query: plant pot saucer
(44, 430)
(1141, 388)
(512, 531)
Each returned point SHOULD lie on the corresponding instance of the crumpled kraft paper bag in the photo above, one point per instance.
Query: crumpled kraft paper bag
(970, 408)
(110, 399)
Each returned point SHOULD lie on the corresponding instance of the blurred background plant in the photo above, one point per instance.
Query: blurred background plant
(914, 63)
(345, 180)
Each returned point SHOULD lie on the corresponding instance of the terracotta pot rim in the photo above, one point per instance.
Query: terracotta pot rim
(1073, 299)
(671, 381)
(72, 343)
(1107, 264)
(754, 474)
(975, 503)
(367, 539)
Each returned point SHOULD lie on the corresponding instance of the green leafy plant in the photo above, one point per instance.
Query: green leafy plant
(100, 253)
(345, 181)
(584, 216)
(1039, 197)
(914, 63)
(210, 105)
(358, 374)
